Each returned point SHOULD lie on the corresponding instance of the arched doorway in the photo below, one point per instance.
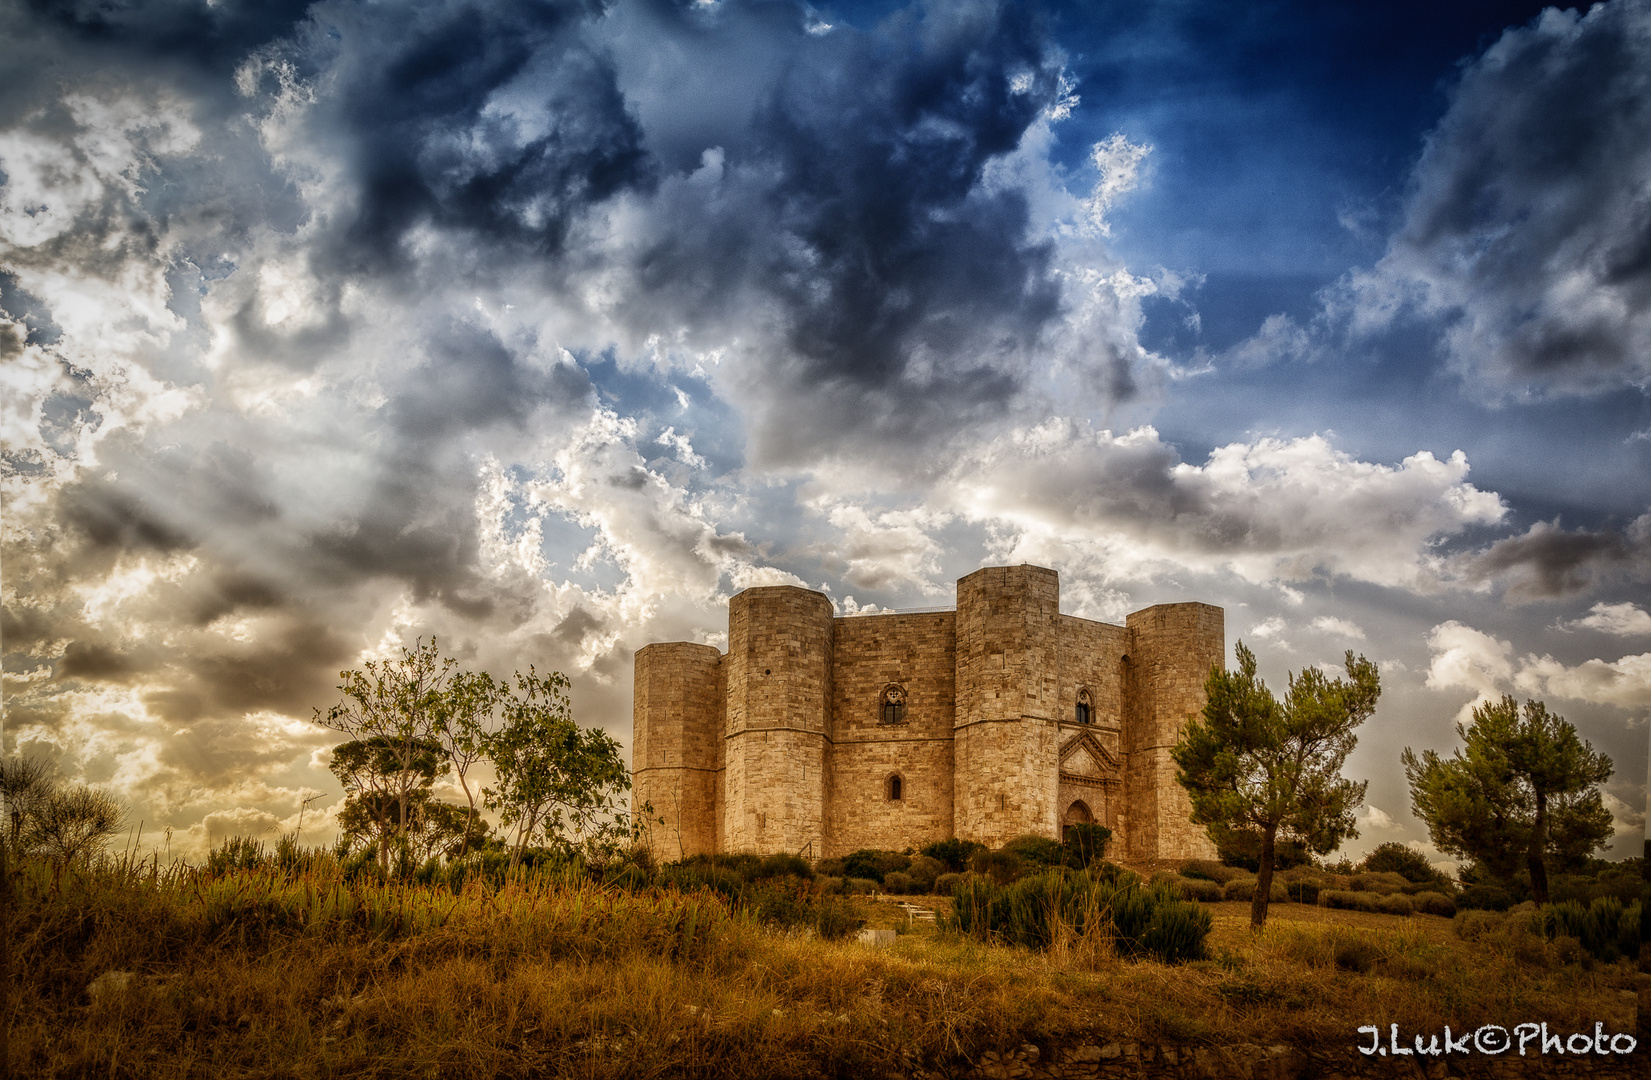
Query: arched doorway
(1076, 814)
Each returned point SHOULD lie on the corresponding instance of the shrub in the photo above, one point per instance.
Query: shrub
(1434, 903)
(1211, 871)
(1002, 866)
(828, 886)
(1471, 924)
(1485, 897)
(859, 886)
(899, 883)
(869, 863)
(955, 853)
(1085, 844)
(783, 865)
(1302, 890)
(237, 853)
(829, 867)
(946, 884)
(1042, 908)
(924, 871)
(1037, 852)
(1244, 889)
(1197, 889)
(1379, 883)
(1348, 900)
(1395, 858)
(1396, 904)
(1606, 928)
(1242, 848)
(834, 918)
(692, 876)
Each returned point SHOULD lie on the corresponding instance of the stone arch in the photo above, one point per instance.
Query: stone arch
(1085, 711)
(1076, 814)
(894, 788)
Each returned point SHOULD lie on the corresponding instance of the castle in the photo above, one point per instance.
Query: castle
(821, 735)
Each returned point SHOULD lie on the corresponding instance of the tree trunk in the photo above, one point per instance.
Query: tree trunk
(1263, 879)
(1535, 853)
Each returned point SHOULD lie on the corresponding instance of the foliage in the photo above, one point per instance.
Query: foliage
(1084, 844)
(873, 864)
(1219, 873)
(956, 853)
(1522, 790)
(1002, 866)
(1607, 928)
(1434, 903)
(554, 777)
(1396, 858)
(925, 871)
(1037, 852)
(1063, 905)
(71, 822)
(1256, 765)
(1241, 848)
(25, 785)
(466, 719)
(392, 711)
(1486, 897)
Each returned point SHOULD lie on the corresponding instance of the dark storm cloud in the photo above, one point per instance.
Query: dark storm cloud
(1549, 561)
(1528, 227)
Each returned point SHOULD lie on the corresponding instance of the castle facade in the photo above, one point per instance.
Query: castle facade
(820, 735)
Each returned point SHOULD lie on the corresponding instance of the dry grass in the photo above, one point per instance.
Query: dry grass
(565, 978)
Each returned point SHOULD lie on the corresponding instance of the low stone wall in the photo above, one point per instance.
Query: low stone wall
(1246, 1062)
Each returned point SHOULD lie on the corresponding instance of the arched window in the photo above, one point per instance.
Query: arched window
(892, 707)
(896, 788)
(1086, 708)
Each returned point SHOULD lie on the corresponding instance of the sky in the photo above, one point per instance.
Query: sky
(544, 326)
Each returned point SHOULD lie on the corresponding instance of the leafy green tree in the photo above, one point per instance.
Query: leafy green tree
(466, 719)
(1523, 788)
(1395, 858)
(384, 787)
(1272, 768)
(557, 782)
(395, 706)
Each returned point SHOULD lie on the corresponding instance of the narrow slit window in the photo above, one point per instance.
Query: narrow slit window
(897, 788)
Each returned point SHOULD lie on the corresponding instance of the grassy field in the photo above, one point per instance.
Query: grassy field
(256, 974)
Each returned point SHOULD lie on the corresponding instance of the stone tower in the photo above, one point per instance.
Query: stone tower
(778, 684)
(1006, 749)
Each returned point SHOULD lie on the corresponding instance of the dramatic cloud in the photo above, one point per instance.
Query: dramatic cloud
(1470, 659)
(1273, 510)
(1549, 561)
(1528, 228)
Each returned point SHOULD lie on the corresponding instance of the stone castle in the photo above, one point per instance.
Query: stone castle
(820, 735)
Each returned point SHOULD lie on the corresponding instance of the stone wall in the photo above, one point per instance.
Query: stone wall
(676, 752)
(783, 739)
(870, 653)
(778, 685)
(1172, 648)
(1007, 695)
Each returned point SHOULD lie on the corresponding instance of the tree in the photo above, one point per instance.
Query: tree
(385, 787)
(62, 822)
(553, 775)
(464, 723)
(1523, 788)
(397, 707)
(1273, 769)
(25, 784)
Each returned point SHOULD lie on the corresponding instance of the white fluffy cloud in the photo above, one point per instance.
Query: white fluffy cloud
(1463, 657)
(1621, 620)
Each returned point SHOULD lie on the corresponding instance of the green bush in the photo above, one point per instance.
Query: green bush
(1037, 852)
(1002, 866)
(1382, 883)
(1396, 858)
(1471, 924)
(1607, 928)
(1485, 897)
(924, 870)
(946, 883)
(869, 863)
(237, 853)
(1396, 904)
(859, 886)
(834, 918)
(955, 853)
(1302, 890)
(1085, 844)
(1200, 889)
(899, 883)
(1036, 910)
(691, 876)
(1348, 900)
(783, 865)
(1434, 903)
(1212, 871)
(1244, 889)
